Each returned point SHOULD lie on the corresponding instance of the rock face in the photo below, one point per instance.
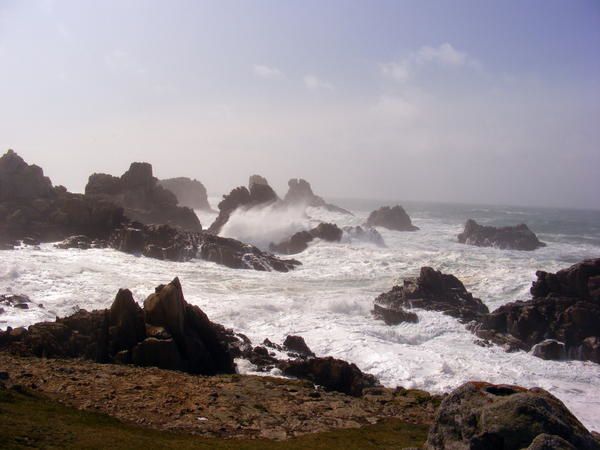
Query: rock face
(30, 207)
(367, 234)
(299, 241)
(391, 218)
(433, 291)
(300, 193)
(565, 308)
(258, 193)
(168, 333)
(142, 197)
(393, 315)
(519, 237)
(190, 193)
(483, 416)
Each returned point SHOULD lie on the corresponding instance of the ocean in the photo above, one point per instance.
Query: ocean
(328, 299)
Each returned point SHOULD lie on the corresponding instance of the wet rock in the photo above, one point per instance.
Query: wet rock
(480, 415)
(297, 344)
(579, 280)
(189, 193)
(549, 349)
(434, 291)
(391, 218)
(300, 193)
(298, 242)
(19, 301)
(519, 237)
(367, 234)
(81, 242)
(394, 315)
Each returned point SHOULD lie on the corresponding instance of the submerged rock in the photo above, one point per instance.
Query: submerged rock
(483, 416)
(189, 192)
(391, 218)
(519, 237)
(367, 234)
(300, 193)
(393, 315)
(433, 291)
(298, 242)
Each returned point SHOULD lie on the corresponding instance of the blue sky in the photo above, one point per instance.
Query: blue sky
(467, 101)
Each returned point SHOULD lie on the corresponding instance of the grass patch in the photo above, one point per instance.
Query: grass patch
(30, 421)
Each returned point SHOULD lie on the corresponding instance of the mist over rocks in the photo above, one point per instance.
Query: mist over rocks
(142, 197)
(518, 237)
(300, 193)
(298, 242)
(189, 192)
(392, 218)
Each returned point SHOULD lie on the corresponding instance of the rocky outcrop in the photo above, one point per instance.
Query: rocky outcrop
(367, 234)
(139, 193)
(168, 333)
(565, 308)
(32, 209)
(519, 237)
(483, 416)
(298, 242)
(298, 345)
(433, 291)
(189, 192)
(258, 193)
(391, 218)
(393, 315)
(300, 193)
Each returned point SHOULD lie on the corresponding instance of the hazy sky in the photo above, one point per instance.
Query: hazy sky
(468, 101)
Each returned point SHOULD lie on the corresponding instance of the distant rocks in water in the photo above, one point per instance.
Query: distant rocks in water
(31, 209)
(484, 416)
(168, 333)
(142, 197)
(17, 301)
(391, 218)
(300, 193)
(519, 237)
(562, 320)
(189, 192)
(433, 291)
(367, 234)
(299, 241)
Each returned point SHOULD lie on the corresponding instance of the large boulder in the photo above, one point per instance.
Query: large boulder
(394, 218)
(519, 237)
(300, 193)
(483, 416)
(433, 291)
(190, 193)
(142, 197)
(299, 241)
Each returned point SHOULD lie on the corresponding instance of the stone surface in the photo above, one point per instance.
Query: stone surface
(189, 192)
(300, 193)
(519, 237)
(394, 218)
(297, 344)
(298, 242)
(393, 315)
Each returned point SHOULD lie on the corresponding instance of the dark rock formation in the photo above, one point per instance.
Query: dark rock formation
(565, 307)
(519, 237)
(18, 301)
(81, 242)
(433, 291)
(299, 241)
(296, 344)
(301, 193)
(549, 349)
(367, 234)
(168, 333)
(142, 197)
(258, 193)
(190, 193)
(393, 315)
(31, 208)
(483, 416)
(333, 374)
(391, 218)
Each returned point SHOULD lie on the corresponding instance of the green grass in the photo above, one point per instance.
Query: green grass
(31, 421)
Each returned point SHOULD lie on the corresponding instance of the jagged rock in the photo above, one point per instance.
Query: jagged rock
(301, 193)
(297, 344)
(15, 300)
(565, 308)
(367, 234)
(483, 416)
(550, 442)
(190, 193)
(434, 291)
(391, 218)
(519, 237)
(142, 197)
(393, 315)
(333, 374)
(298, 242)
(549, 349)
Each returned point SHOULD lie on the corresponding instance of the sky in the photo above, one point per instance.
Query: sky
(493, 102)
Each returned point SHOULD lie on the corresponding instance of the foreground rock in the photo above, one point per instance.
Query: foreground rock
(565, 309)
(142, 197)
(519, 237)
(483, 416)
(433, 291)
(299, 241)
(391, 218)
(168, 333)
(189, 192)
(33, 210)
(300, 193)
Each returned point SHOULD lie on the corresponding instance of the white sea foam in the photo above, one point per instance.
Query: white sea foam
(328, 300)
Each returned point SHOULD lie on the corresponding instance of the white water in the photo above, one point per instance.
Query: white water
(328, 299)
